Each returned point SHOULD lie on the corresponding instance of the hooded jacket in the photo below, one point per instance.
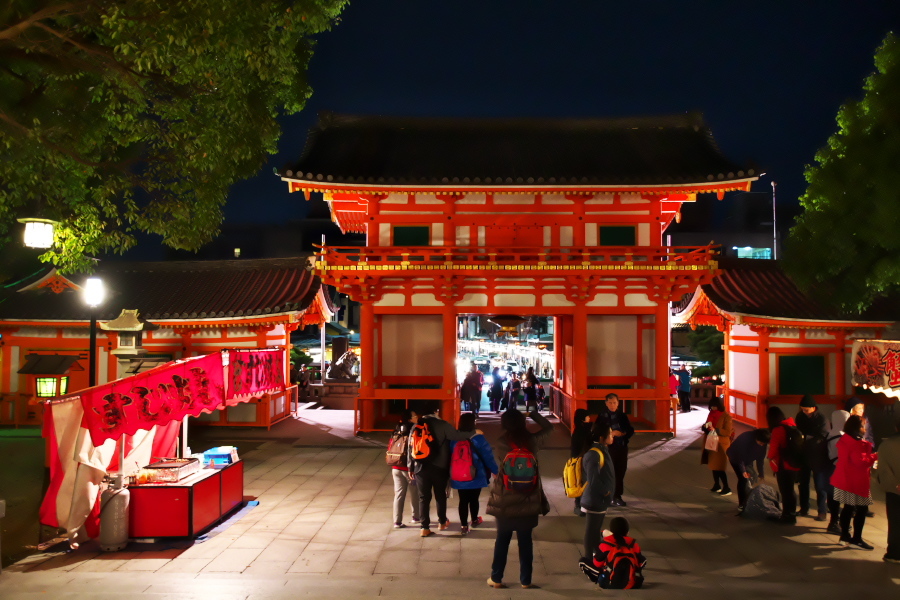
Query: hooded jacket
(854, 466)
(599, 478)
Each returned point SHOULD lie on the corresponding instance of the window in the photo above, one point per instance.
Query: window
(617, 235)
(416, 235)
(748, 252)
(46, 387)
(801, 374)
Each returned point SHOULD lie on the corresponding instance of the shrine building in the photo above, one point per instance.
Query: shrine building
(780, 343)
(172, 310)
(556, 218)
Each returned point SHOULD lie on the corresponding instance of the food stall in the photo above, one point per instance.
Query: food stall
(876, 366)
(118, 443)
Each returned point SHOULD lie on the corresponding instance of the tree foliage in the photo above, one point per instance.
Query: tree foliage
(706, 343)
(846, 244)
(125, 116)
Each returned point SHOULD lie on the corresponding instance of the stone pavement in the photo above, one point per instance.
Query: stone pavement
(323, 530)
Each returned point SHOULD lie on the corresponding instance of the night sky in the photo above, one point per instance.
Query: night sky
(768, 76)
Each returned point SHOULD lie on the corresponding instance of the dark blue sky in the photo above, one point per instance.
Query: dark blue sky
(769, 76)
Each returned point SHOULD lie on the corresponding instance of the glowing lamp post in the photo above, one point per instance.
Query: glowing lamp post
(93, 296)
(38, 232)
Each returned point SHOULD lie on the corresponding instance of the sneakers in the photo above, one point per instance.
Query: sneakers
(715, 489)
(399, 525)
(415, 521)
(844, 541)
(890, 559)
(803, 513)
(530, 586)
(725, 492)
(619, 502)
(477, 522)
(444, 526)
(833, 527)
(861, 545)
(426, 533)
(821, 517)
(494, 584)
(464, 530)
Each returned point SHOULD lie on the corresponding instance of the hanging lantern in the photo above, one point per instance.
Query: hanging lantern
(38, 232)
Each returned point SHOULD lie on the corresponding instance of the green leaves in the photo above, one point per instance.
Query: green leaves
(845, 245)
(140, 115)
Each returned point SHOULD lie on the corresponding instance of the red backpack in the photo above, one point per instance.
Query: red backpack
(462, 463)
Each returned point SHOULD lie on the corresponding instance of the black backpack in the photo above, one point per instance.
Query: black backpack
(793, 454)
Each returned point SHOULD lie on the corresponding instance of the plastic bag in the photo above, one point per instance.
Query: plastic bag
(712, 441)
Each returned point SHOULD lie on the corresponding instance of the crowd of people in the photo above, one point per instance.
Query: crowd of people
(837, 455)
(528, 388)
(429, 457)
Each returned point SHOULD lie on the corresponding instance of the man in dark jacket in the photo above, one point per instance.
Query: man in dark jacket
(613, 416)
(814, 427)
(433, 473)
(747, 455)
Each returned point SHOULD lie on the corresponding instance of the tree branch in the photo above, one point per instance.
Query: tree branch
(14, 31)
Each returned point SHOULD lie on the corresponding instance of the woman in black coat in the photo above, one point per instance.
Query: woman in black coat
(613, 416)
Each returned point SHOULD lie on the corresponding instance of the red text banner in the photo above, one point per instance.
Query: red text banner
(156, 397)
(252, 372)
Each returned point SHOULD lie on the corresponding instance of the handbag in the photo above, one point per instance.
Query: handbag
(712, 441)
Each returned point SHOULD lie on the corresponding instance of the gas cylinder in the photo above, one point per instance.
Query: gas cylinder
(114, 516)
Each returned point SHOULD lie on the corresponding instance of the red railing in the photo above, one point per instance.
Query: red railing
(464, 257)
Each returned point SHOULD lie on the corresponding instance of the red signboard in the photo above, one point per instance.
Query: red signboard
(253, 372)
(876, 364)
(153, 398)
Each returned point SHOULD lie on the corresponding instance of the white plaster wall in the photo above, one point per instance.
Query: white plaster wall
(590, 234)
(556, 300)
(565, 235)
(648, 353)
(463, 235)
(396, 198)
(473, 300)
(412, 345)
(514, 199)
(743, 331)
(612, 345)
(425, 300)
(743, 372)
(604, 300)
(643, 234)
(515, 300)
(15, 363)
(392, 300)
(638, 300)
(384, 234)
(437, 234)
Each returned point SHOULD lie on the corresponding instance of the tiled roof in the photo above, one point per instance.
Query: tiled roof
(761, 288)
(175, 290)
(675, 149)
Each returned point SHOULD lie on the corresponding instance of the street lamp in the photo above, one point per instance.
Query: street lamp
(93, 294)
(38, 232)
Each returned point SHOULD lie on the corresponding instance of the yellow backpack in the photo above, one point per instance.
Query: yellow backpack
(573, 475)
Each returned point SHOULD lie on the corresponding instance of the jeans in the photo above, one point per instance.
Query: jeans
(402, 485)
(501, 549)
(468, 504)
(432, 480)
(892, 504)
(786, 480)
(820, 480)
(593, 533)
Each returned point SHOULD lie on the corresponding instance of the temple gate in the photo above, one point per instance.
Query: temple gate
(527, 217)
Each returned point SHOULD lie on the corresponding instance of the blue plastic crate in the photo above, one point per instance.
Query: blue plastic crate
(220, 455)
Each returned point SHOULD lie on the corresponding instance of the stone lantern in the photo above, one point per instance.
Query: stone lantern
(129, 328)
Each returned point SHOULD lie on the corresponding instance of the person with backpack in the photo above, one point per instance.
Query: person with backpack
(618, 561)
(404, 484)
(495, 391)
(611, 414)
(785, 458)
(429, 463)
(517, 496)
(599, 485)
(747, 455)
(851, 480)
(581, 443)
(471, 465)
(719, 422)
(814, 427)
